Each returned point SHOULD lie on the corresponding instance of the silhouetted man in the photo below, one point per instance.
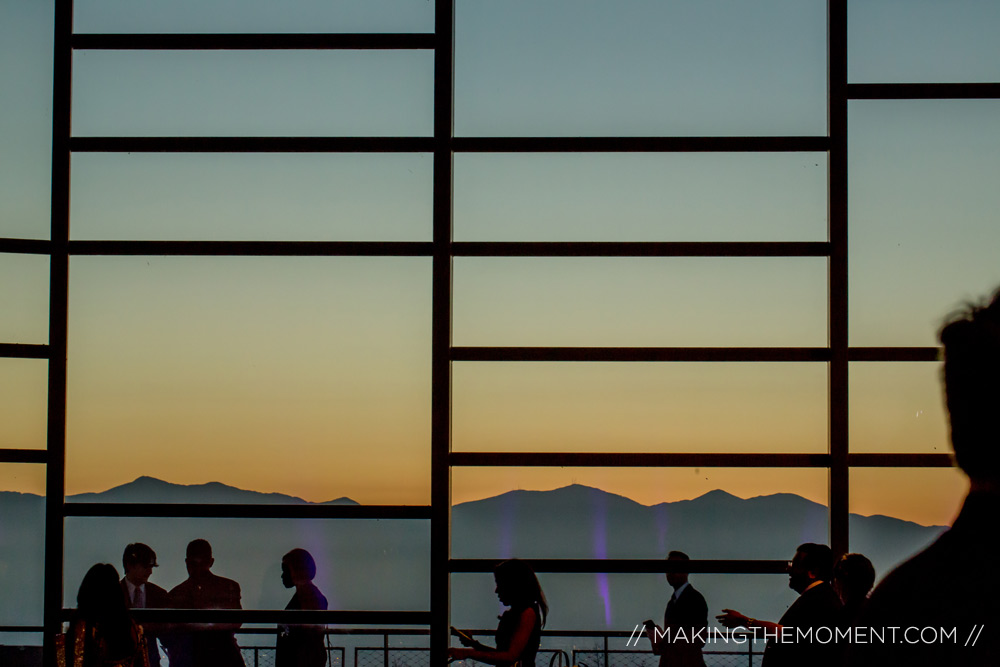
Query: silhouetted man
(791, 642)
(138, 561)
(952, 585)
(204, 644)
(685, 622)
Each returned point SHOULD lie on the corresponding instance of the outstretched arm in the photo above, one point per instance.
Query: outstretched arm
(734, 619)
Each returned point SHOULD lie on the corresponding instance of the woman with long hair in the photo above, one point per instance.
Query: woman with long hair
(520, 630)
(102, 633)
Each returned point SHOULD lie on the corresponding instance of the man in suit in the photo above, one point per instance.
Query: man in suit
(211, 644)
(950, 586)
(138, 561)
(685, 622)
(815, 613)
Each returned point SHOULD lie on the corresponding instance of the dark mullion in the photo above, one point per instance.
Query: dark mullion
(641, 144)
(630, 566)
(253, 248)
(55, 470)
(923, 91)
(894, 354)
(441, 326)
(641, 249)
(839, 485)
(23, 351)
(333, 616)
(234, 511)
(641, 354)
(26, 246)
(252, 144)
(266, 41)
(637, 460)
(23, 456)
(900, 460)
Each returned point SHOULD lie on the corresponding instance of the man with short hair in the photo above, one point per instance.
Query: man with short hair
(138, 561)
(212, 644)
(943, 601)
(816, 609)
(685, 622)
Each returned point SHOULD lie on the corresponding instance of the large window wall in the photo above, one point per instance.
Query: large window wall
(417, 253)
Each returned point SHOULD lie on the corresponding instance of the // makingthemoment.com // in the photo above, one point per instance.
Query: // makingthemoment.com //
(819, 635)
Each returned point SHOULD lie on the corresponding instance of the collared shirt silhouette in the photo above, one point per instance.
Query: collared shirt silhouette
(685, 622)
(138, 560)
(211, 644)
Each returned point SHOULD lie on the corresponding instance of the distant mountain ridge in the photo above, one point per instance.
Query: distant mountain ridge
(384, 564)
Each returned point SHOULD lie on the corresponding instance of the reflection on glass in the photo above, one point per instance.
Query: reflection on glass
(24, 299)
(23, 401)
(304, 376)
(639, 407)
(201, 16)
(923, 227)
(22, 546)
(640, 197)
(635, 512)
(925, 500)
(635, 67)
(256, 196)
(922, 42)
(251, 93)
(679, 301)
(26, 121)
(359, 564)
(898, 407)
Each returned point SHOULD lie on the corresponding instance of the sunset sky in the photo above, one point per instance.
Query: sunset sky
(311, 376)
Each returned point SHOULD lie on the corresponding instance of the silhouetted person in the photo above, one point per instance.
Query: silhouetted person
(101, 633)
(953, 583)
(520, 630)
(204, 644)
(853, 578)
(301, 645)
(817, 606)
(139, 561)
(685, 622)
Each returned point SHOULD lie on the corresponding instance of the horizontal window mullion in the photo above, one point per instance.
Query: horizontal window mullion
(26, 246)
(923, 91)
(641, 249)
(252, 144)
(641, 354)
(637, 460)
(628, 566)
(807, 144)
(23, 351)
(254, 41)
(24, 456)
(333, 616)
(894, 354)
(254, 248)
(900, 460)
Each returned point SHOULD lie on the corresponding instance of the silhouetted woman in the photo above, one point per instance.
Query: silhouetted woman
(102, 633)
(301, 645)
(520, 630)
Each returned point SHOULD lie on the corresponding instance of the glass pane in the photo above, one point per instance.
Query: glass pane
(934, 41)
(617, 602)
(26, 121)
(359, 564)
(256, 196)
(640, 197)
(639, 407)
(923, 229)
(898, 407)
(902, 510)
(23, 403)
(249, 93)
(22, 548)
(254, 16)
(717, 513)
(24, 299)
(679, 301)
(308, 376)
(641, 68)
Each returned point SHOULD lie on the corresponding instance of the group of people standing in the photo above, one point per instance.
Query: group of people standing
(103, 634)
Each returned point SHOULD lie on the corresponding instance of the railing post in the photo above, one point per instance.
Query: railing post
(385, 649)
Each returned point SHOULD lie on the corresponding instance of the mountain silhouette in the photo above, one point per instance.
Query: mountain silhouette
(384, 564)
